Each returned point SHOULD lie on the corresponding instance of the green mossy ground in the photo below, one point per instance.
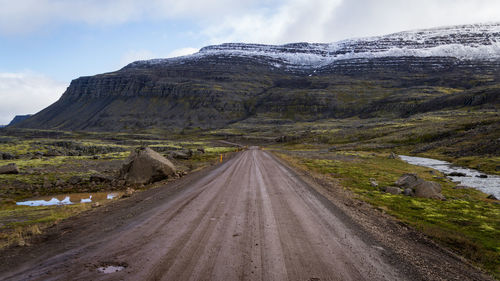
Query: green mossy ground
(18, 223)
(466, 222)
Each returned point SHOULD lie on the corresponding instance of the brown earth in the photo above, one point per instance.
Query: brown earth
(251, 218)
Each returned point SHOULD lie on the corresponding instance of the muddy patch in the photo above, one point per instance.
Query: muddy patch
(111, 267)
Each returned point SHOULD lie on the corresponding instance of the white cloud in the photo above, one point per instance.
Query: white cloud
(263, 21)
(135, 55)
(333, 20)
(182, 52)
(26, 93)
(29, 15)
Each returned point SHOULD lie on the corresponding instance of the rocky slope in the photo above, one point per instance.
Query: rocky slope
(395, 75)
(18, 119)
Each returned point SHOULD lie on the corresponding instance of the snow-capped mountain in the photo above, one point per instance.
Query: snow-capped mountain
(396, 75)
(466, 42)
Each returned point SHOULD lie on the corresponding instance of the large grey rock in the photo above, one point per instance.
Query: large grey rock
(420, 187)
(407, 181)
(428, 189)
(145, 165)
(9, 169)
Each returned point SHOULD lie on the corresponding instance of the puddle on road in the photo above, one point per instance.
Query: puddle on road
(68, 199)
(489, 185)
(110, 269)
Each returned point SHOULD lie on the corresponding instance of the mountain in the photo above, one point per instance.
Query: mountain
(19, 118)
(394, 75)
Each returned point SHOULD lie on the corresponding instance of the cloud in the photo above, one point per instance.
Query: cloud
(333, 20)
(26, 93)
(31, 15)
(135, 55)
(182, 52)
(262, 21)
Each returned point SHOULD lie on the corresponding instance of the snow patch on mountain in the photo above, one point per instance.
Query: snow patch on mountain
(466, 42)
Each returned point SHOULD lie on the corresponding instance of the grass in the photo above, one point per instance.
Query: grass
(466, 222)
(20, 223)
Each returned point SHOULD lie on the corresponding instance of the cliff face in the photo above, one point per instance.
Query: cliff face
(398, 74)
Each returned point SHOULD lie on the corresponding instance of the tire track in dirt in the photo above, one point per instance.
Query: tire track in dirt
(249, 219)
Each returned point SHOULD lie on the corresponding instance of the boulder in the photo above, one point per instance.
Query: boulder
(421, 188)
(482, 176)
(428, 189)
(407, 181)
(145, 165)
(393, 190)
(9, 169)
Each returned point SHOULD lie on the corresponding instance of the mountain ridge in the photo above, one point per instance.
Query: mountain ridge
(393, 75)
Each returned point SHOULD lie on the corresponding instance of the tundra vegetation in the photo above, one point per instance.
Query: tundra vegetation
(54, 163)
(351, 151)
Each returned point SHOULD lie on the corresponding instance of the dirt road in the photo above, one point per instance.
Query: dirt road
(249, 219)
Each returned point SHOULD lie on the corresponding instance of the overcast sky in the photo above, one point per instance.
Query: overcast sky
(44, 44)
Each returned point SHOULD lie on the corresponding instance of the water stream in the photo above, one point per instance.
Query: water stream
(489, 184)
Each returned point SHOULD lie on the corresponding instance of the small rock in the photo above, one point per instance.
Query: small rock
(482, 176)
(95, 205)
(100, 178)
(393, 156)
(461, 187)
(74, 180)
(201, 149)
(492, 197)
(128, 192)
(9, 169)
(179, 155)
(96, 157)
(408, 192)
(457, 174)
(47, 184)
(373, 182)
(393, 190)
(8, 156)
